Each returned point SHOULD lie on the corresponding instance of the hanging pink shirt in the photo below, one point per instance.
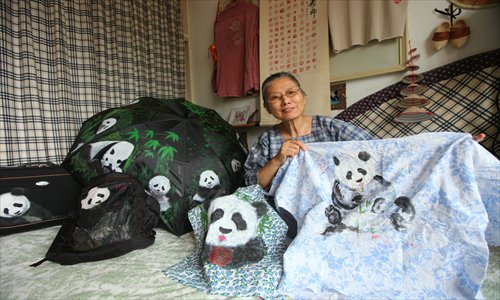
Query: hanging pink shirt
(236, 32)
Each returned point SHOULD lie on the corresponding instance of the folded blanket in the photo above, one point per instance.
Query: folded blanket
(398, 218)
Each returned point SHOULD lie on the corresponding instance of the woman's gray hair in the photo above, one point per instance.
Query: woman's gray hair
(274, 76)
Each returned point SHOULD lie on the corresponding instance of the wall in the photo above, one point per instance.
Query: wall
(422, 21)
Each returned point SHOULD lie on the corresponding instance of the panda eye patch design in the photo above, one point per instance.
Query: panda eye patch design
(216, 215)
(238, 220)
(349, 175)
(362, 171)
(18, 205)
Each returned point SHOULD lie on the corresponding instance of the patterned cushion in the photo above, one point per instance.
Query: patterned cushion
(240, 241)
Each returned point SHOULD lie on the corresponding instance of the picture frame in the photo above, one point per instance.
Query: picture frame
(338, 97)
(239, 115)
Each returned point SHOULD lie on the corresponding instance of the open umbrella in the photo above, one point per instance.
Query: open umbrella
(182, 153)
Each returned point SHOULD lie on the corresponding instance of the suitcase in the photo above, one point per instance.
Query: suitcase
(35, 196)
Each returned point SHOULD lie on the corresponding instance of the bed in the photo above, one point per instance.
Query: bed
(137, 274)
(140, 273)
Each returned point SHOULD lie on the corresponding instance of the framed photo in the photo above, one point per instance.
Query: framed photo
(239, 116)
(337, 96)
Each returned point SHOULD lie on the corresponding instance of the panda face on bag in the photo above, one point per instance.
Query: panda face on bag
(12, 205)
(232, 222)
(208, 179)
(95, 196)
(355, 171)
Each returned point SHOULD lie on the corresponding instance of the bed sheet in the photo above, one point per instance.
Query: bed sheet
(137, 274)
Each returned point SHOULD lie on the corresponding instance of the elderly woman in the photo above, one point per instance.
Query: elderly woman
(285, 100)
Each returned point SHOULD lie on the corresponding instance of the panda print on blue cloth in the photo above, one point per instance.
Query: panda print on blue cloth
(359, 197)
(232, 240)
(404, 213)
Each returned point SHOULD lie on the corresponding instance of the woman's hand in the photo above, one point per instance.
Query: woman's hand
(479, 137)
(289, 148)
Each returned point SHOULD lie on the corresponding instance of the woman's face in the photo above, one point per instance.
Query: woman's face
(285, 100)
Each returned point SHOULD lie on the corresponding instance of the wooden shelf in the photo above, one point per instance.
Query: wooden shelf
(251, 124)
(242, 131)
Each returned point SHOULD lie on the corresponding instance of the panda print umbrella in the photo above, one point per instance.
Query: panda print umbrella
(181, 152)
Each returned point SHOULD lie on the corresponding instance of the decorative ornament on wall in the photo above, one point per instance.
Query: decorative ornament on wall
(456, 32)
(413, 101)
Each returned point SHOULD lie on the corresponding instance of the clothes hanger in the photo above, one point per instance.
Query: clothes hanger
(451, 12)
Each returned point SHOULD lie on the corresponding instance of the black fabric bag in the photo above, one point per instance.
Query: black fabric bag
(115, 216)
(36, 195)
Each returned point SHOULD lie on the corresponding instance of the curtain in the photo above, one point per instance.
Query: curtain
(356, 22)
(63, 61)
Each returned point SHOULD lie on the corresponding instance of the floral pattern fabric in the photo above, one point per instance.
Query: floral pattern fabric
(257, 279)
(441, 189)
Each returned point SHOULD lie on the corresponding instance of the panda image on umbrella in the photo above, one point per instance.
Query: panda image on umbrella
(158, 187)
(111, 154)
(208, 183)
(173, 138)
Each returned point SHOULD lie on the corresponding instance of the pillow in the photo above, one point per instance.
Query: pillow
(240, 241)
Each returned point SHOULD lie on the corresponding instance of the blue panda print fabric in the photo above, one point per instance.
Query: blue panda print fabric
(240, 241)
(404, 218)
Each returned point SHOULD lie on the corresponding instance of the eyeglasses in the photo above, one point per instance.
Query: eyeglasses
(275, 98)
